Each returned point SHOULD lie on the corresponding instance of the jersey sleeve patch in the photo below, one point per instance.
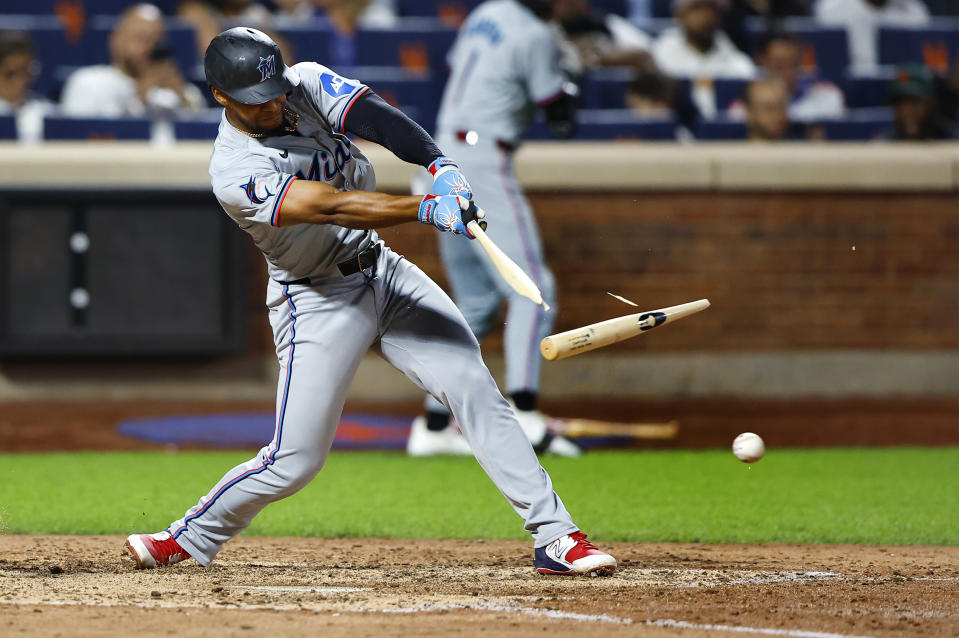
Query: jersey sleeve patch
(257, 190)
(335, 86)
(253, 196)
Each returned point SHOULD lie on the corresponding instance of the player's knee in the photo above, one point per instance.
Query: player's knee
(297, 470)
(547, 286)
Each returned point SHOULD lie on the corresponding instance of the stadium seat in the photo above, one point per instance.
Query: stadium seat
(728, 91)
(308, 43)
(196, 129)
(720, 130)
(619, 7)
(450, 12)
(662, 8)
(69, 128)
(936, 45)
(8, 127)
(83, 7)
(605, 88)
(866, 91)
(611, 124)
(417, 45)
(860, 125)
(828, 47)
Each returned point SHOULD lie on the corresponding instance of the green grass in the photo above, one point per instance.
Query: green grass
(867, 495)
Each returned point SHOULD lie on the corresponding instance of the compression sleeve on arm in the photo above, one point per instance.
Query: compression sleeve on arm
(373, 119)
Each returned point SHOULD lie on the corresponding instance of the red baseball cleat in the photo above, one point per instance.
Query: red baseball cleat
(155, 550)
(573, 554)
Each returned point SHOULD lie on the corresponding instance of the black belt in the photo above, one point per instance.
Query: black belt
(362, 261)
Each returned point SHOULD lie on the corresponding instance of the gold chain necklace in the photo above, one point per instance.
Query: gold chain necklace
(291, 122)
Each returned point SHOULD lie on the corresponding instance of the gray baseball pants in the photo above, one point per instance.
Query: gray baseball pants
(321, 332)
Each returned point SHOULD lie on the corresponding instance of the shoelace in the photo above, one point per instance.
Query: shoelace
(581, 538)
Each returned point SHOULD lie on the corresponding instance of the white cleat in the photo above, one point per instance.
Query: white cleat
(535, 425)
(155, 550)
(426, 442)
(573, 554)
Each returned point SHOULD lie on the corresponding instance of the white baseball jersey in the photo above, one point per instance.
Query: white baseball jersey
(505, 62)
(251, 176)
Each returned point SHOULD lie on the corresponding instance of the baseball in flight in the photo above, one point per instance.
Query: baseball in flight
(749, 447)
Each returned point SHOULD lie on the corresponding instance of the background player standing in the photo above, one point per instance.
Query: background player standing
(504, 64)
(283, 169)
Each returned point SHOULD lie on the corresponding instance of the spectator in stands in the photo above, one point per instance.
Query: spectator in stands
(18, 70)
(654, 95)
(142, 75)
(862, 19)
(767, 110)
(343, 18)
(772, 11)
(292, 12)
(602, 40)
(210, 17)
(916, 113)
(651, 95)
(350, 15)
(811, 100)
(698, 48)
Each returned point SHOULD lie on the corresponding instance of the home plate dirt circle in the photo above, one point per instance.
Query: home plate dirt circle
(81, 586)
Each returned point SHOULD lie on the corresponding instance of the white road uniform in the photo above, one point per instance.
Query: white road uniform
(324, 326)
(504, 64)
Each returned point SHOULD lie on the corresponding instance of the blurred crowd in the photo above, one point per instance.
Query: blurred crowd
(673, 63)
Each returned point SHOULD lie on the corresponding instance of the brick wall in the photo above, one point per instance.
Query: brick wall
(783, 271)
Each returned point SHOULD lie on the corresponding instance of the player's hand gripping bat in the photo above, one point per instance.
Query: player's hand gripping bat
(511, 273)
(597, 335)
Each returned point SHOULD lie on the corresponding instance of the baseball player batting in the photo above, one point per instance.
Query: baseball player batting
(284, 170)
(504, 65)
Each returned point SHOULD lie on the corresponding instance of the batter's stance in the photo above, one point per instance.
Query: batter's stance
(283, 169)
(504, 65)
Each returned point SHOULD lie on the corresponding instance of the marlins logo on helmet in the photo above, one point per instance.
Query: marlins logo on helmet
(267, 68)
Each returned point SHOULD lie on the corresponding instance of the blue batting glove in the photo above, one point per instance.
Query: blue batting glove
(448, 179)
(450, 213)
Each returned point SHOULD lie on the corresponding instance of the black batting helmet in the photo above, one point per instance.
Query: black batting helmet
(247, 65)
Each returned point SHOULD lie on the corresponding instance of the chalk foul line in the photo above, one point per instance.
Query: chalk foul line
(605, 618)
(792, 633)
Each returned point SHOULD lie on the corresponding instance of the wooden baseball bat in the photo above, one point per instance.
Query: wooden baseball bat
(576, 428)
(597, 335)
(511, 273)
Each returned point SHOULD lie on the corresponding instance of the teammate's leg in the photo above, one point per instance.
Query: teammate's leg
(513, 227)
(319, 344)
(480, 299)
(425, 336)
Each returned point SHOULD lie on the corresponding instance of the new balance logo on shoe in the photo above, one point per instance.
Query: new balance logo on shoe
(573, 554)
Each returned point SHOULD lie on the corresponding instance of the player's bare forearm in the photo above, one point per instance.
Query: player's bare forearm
(318, 203)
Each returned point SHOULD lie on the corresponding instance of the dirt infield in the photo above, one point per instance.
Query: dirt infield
(84, 586)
